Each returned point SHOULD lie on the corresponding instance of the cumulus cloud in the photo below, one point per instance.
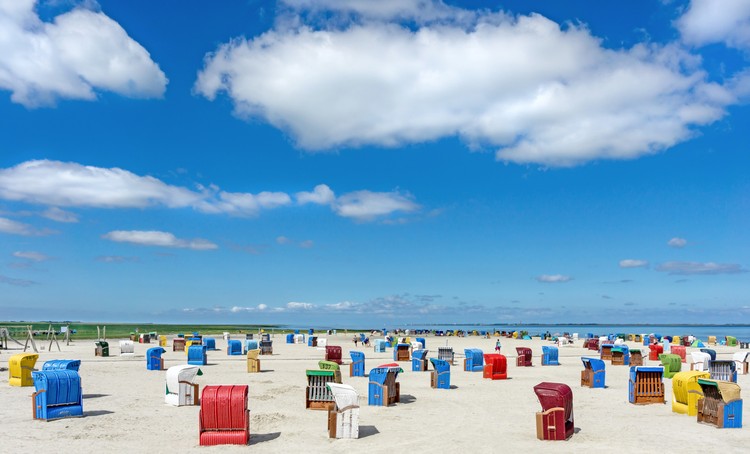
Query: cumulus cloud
(157, 238)
(74, 56)
(71, 184)
(708, 268)
(58, 215)
(116, 259)
(523, 85)
(321, 195)
(553, 278)
(367, 205)
(31, 255)
(282, 240)
(677, 242)
(297, 306)
(709, 21)
(16, 282)
(19, 228)
(633, 263)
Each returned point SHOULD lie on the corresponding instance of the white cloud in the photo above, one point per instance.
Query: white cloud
(711, 21)
(553, 278)
(523, 85)
(283, 240)
(306, 244)
(31, 255)
(321, 195)
(368, 205)
(78, 53)
(19, 228)
(297, 306)
(633, 263)
(157, 238)
(71, 184)
(56, 214)
(689, 268)
(116, 259)
(677, 242)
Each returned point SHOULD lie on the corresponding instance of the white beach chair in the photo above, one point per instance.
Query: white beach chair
(322, 342)
(668, 347)
(127, 348)
(343, 419)
(226, 336)
(416, 345)
(180, 387)
(619, 341)
(575, 337)
(299, 338)
(700, 361)
(741, 360)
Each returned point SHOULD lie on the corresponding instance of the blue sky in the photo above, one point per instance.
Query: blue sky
(375, 162)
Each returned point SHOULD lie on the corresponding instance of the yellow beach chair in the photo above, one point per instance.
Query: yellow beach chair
(20, 367)
(686, 391)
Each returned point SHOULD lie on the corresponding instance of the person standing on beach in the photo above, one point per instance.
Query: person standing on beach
(497, 346)
(355, 341)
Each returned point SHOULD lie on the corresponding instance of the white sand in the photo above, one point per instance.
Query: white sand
(125, 411)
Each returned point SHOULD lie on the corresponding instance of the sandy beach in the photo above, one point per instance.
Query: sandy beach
(124, 407)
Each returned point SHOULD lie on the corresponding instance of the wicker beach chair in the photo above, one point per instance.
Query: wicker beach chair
(474, 360)
(621, 355)
(440, 377)
(419, 360)
(686, 392)
(154, 361)
(20, 367)
(550, 356)
(741, 360)
(383, 389)
(181, 390)
(401, 352)
(524, 357)
(57, 394)
(224, 418)
(646, 385)
(333, 353)
(672, 364)
(605, 354)
(62, 364)
(654, 351)
(253, 363)
(725, 370)
(357, 366)
(721, 405)
(555, 421)
(594, 373)
(317, 395)
(343, 417)
(495, 367)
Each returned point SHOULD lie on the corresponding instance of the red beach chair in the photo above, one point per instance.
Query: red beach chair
(224, 418)
(495, 366)
(555, 421)
(655, 351)
(524, 357)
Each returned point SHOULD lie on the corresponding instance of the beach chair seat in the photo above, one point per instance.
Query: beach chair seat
(605, 354)
(621, 355)
(680, 350)
(422, 341)
(57, 394)
(234, 347)
(699, 361)
(144, 338)
(253, 363)
(322, 342)
(290, 338)
(730, 341)
(312, 341)
(721, 405)
(224, 418)
(636, 357)
(154, 361)
(383, 388)
(725, 370)
(401, 352)
(197, 355)
(209, 342)
(555, 421)
(646, 385)
(333, 353)
(710, 352)
(181, 389)
(330, 365)
(127, 348)
(343, 417)
(593, 344)
(550, 356)
(20, 367)
(266, 347)
(593, 374)
(654, 351)
(741, 360)
(62, 364)
(686, 391)
(446, 354)
(299, 339)
(379, 346)
(672, 364)
(178, 344)
(101, 348)
(317, 395)
(250, 344)
(440, 377)
(711, 340)
(357, 366)
(474, 361)
(495, 367)
(162, 340)
(419, 360)
(524, 357)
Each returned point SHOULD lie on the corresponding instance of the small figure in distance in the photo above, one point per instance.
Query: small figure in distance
(497, 346)
(355, 340)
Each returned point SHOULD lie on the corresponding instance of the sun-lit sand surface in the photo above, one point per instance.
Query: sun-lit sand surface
(125, 411)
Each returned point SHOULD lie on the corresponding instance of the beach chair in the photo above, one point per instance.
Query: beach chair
(162, 340)
(127, 348)
(181, 390)
(299, 339)
(680, 350)
(57, 394)
(666, 345)
(593, 374)
(524, 357)
(725, 370)
(333, 353)
(144, 338)
(636, 357)
(711, 340)
(178, 344)
(312, 341)
(730, 341)
(422, 341)
(474, 361)
(383, 389)
(234, 347)
(250, 344)
(253, 363)
(322, 342)
(343, 418)
(290, 338)
(357, 366)
(401, 351)
(440, 377)
(62, 364)
(721, 405)
(266, 347)
(196, 355)
(20, 367)
(741, 360)
(686, 392)
(209, 342)
(605, 354)
(379, 346)
(646, 385)
(154, 361)
(621, 355)
(555, 421)
(550, 356)
(224, 418)
(593, 343)
(699, 361)
(446, 354)
(495, 367)
(710, 352)
(317, 395)
(654, 351)
(672, 364)
(330, 365)
(101, 349)
(419, 360)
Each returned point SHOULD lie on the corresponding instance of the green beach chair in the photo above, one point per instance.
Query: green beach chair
(672, 364)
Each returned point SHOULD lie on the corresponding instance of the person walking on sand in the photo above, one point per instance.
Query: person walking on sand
(497, 346)
(355, 341)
